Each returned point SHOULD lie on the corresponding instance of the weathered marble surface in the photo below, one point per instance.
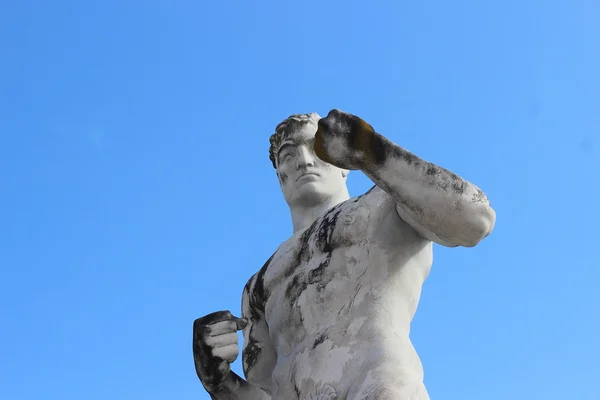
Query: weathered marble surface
(328, 316)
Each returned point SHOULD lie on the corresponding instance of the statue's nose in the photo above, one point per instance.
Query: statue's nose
(305, 158)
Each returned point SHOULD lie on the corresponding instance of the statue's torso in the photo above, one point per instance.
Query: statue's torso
(338, 299)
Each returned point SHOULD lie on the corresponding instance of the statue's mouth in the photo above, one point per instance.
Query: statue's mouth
(308, 174)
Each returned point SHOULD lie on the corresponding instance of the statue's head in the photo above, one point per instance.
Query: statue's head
(304, 178)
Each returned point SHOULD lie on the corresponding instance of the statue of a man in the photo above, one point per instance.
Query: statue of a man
(328, 316)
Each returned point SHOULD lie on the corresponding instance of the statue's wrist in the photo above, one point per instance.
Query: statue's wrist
(218, 387)
(366, 166)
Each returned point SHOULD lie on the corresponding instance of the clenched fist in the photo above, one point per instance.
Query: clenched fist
(215, 346)
(348, 142)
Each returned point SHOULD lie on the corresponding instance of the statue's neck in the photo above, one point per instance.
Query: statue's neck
(303, 217)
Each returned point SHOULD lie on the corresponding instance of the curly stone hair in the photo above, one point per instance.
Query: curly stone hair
(285, 128)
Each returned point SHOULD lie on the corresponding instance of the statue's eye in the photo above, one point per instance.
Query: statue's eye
(287, 156)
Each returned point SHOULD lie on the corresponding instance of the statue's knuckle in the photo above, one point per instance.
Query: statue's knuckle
(215, 354)
(231, 327)
(221, 354)
(209, 341)
(233, 337)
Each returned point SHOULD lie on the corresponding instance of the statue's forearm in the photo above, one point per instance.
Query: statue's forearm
(236, 388)
(440, 201)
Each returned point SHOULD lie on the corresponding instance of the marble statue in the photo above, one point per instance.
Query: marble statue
(328, 316)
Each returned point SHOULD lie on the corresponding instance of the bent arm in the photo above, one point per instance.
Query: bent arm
(438, 204)
(235, 388)
(258, 357)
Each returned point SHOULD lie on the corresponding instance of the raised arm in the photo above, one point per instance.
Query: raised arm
(437, 203)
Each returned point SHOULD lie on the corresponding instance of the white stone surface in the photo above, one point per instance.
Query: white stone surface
(328, 316)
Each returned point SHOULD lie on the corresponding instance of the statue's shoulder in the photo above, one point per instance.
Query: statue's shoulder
(254, 291)
(375, 196)
(259, 275)
(373, 199)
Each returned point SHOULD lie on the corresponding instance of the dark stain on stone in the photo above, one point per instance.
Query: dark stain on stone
(299, 282)
(323, 227)
(256, 299)
(254, 314)
(320, 339)
(402, 154)
(478, 196)
(432, 170)
(317, 275)
(293, 379)
(297, 391)
(252, 351)
(363, 138)
(304, 240)
(259, 295)
(446, 180)
(283, 176)
(320, 233)
(324, 236)
(326, 228)
(378, 149)
(296, 287)
(459, 186)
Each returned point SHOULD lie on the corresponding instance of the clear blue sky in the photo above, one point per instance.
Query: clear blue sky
(136, 192)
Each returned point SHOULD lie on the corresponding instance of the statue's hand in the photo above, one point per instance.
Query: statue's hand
(346, 141)
(215, 346)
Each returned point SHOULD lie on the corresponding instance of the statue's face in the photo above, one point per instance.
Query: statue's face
(305, 179)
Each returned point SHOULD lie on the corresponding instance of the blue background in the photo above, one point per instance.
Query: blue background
(137, 194)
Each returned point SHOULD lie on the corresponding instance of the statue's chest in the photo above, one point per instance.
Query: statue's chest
(342, 226)
(310, 260)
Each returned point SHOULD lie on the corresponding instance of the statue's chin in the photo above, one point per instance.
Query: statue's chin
(309, 194)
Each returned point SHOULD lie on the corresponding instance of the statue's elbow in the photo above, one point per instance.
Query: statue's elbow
(481, 224)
